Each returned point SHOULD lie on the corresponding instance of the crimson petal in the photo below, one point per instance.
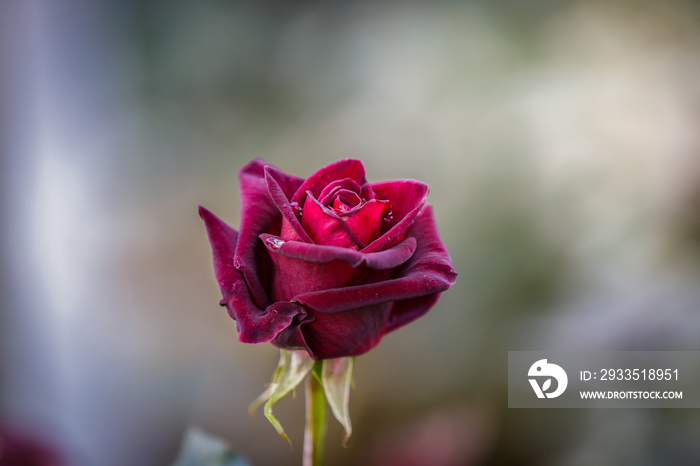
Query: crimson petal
(281, 186)
(366, 221)
(348, 168)
(335, 186)
(407, 199)
(325, 226)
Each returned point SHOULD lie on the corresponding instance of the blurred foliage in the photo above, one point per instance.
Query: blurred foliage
(201, 449)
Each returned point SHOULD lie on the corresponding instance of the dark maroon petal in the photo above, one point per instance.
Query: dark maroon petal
(367, 193)
(407, 198)
(317, 253)
(259, 214)
(351, 333)
(316, 183)
(324, 226)
(223, 242)
(292, 276)
(254, 325)
(408, 310)
(280, 185)
(346, 183)
(428, 271)
(291, 337)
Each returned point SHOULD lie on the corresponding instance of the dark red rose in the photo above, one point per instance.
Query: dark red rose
(329, 264)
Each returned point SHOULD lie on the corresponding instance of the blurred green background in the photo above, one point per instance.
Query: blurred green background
(561, 141)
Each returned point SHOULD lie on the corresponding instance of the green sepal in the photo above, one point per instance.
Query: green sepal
(291, 370)
(336, 376)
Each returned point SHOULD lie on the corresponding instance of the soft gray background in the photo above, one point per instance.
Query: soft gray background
(560, 140)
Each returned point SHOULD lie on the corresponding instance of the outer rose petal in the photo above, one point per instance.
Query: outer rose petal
(259, 214)
(429, 271)
(348, 334)
(301, 267)
(254, 325)
(408, 310)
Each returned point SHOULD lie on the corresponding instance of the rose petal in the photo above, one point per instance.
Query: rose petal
(259, 214)
(407, 198)
(367, 193)
(345, 200)
(317, 253)
(348, 168)
(279, 185)
(291, 337)
(292, 276)
(328, 192)
(261, 326)
(428, 271)
(408, 310)
(347, 334)
(366, 222)
(223, 242)
(254, 325)
(324, 226)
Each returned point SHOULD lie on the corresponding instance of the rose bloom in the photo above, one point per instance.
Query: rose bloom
(329, 264)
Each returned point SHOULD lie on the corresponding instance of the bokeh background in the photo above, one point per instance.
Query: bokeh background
(561, 141)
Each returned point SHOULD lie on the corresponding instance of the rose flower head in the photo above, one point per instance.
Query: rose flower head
(329, 264)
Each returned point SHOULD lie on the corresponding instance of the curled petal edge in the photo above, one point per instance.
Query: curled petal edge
(254, 325)
(346, 168)
(258, 214)
(390, 236)
(317, 253)
(281, 200)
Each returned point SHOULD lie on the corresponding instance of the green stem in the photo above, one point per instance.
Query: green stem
(315, 431)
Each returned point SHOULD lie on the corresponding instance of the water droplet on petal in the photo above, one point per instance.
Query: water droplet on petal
(296, 208)
(389, 217)
(275, 243)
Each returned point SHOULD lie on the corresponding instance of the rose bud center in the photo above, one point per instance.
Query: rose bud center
(343, 216)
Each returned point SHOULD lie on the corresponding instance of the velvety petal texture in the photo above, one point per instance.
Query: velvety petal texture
(329, 264)
(255, 325)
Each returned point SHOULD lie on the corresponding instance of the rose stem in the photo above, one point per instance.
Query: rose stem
(315, 431)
